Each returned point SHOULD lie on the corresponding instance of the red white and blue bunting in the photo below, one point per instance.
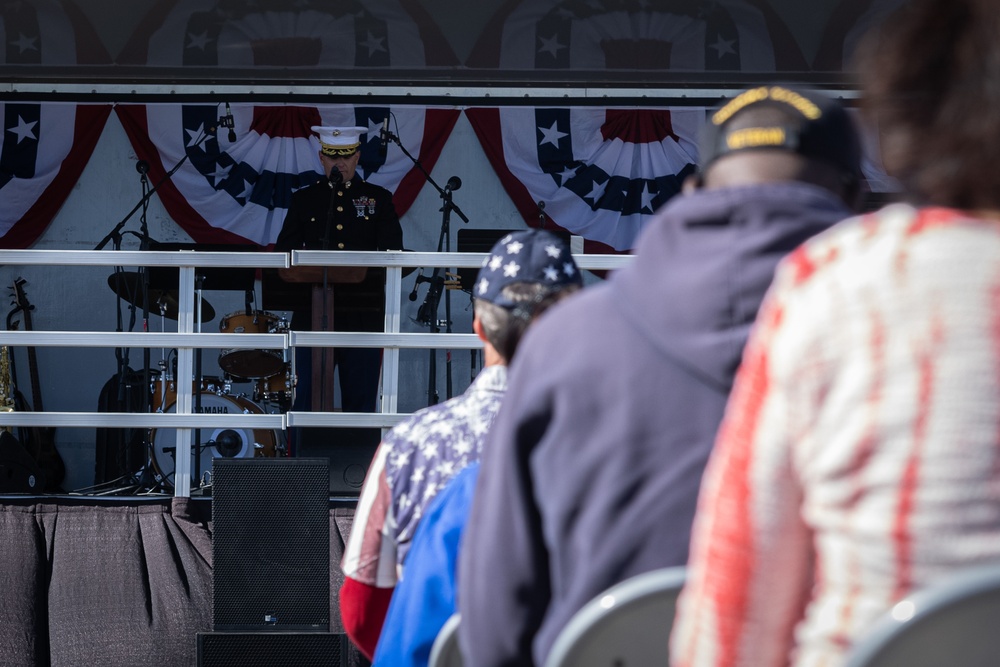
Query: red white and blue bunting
(239, 192)
(44, 146)
(850, 22)
(289, 35)
(654, 35)
(600, 173)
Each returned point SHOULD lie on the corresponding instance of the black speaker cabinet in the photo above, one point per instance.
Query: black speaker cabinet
(275, 649)
(271, 545)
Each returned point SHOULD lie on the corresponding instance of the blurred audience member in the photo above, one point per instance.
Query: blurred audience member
(590, 474)
(425, 596)
(858, 459)
(418, 457)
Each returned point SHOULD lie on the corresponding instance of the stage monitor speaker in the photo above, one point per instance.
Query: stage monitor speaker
(271, 545)
(277, 649)
(19, 473)
(349, 450)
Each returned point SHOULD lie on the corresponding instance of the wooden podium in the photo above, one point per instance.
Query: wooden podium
(322, 302)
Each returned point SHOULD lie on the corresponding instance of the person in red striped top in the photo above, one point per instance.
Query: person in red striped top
(858, 458)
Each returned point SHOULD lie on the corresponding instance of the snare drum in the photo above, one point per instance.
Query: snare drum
(279, 388)
(252, 363)
(228, 442)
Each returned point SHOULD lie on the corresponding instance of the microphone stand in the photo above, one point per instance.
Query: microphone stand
(427, 313)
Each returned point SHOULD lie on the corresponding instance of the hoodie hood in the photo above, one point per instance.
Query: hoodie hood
(704, 263)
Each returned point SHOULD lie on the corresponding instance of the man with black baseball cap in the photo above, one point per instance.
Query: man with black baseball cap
(590, 474)
(767, 124)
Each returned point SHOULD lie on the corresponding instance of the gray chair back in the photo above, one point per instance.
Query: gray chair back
(444, 651)
(628, 625)
(955, 622)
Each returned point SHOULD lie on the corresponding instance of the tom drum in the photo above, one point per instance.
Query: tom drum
(244, 363)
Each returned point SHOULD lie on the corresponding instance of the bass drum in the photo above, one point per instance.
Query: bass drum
(238, 443)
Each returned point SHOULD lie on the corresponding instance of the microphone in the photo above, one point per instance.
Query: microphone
(454, 183)
(142, 166)
(416, 284)
(383, 136)
(227, 120)
(541, 214)
(335, 178)
(248, 299)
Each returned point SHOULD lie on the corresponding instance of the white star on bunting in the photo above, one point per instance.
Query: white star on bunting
(373, 43)
(24, 130)
(551, 46)
(199, 41)
(551, 135)
(24, 43)
(723, 46)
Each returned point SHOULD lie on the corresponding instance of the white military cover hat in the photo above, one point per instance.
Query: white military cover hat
(339, 141)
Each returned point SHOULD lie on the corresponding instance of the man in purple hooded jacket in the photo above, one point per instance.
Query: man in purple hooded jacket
(591, 471)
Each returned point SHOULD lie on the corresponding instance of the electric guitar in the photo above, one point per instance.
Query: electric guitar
(42, 444)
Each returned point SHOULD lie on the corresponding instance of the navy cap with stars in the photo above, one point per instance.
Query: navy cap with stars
(530, 256)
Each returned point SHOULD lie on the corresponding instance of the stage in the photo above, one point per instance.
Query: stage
(119, 580)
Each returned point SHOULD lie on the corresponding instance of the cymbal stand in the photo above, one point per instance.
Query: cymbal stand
(427, 313)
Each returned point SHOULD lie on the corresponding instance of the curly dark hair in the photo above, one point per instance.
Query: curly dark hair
(931, 82)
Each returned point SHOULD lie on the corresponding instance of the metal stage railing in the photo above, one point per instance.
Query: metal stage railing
(186, 340)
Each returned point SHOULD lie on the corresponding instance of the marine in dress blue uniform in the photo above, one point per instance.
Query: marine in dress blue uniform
(343, 214)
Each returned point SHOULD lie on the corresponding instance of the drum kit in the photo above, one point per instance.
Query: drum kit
(270, 374)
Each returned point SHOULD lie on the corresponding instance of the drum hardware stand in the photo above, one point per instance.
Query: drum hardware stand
(427, 313)
(115, 235)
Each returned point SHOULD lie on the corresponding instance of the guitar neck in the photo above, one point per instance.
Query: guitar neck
(36, 390)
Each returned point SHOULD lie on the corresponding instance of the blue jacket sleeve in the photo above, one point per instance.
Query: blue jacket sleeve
(424, 598)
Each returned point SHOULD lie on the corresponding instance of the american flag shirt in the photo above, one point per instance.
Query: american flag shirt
(858, 459)
(415, 460)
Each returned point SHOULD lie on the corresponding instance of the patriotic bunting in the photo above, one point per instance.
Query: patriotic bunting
(600, 173)
(235, 187)
(238, 191)
(288, 35)
(849, 23)
(44, 146)
(652, 35)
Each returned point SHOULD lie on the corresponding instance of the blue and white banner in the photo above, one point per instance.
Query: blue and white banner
(44, 146)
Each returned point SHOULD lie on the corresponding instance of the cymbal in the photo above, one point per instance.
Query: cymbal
(127, 285)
